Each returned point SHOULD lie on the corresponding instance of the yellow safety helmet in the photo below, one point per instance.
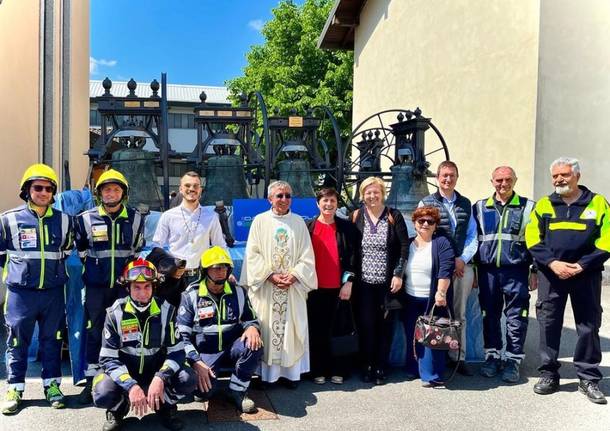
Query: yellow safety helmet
(112, 176)
(215, 256)
(38, 171)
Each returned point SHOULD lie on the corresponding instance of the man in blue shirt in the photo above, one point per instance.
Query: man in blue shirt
(457, 225)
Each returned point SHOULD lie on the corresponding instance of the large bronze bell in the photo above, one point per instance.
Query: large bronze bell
(138, 167)
(297, 173)
(407, 189)
(225, 180)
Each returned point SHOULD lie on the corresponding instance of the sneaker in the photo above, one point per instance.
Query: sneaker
(242, 401)
(337, 380)
(167, 417)
(11, 402)
(510, 374)
(546, 386)
(592, 392)
(54, 396)
(320, 380)
(114, 420)
(86, 397)
(491, 367)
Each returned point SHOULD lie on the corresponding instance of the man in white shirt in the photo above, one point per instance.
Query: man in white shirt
(189, 229)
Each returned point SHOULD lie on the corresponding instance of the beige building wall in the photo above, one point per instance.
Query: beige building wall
(574, 90)
(23, 96)
(471, 65)
(19, 87)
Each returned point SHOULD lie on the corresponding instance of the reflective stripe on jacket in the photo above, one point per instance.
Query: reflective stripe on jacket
(106, 244)
(33, 248)
(502, 234)
(210, 324)
(575, 233)
(138, 346)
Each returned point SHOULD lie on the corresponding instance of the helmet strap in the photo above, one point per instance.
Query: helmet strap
(140, 306)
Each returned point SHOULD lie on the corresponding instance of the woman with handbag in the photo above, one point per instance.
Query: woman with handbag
(334, 242)
(383, 253)
(429, 270)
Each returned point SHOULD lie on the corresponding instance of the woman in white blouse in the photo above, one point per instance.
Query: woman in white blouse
(429, 269)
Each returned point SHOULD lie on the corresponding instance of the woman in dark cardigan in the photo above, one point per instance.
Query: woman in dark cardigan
(334, 242)
(429, 271)
(382, 254)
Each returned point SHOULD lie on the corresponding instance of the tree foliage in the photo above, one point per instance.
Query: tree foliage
(290, 71)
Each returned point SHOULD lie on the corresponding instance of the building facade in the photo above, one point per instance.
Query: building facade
(512, 82)
(44, 50)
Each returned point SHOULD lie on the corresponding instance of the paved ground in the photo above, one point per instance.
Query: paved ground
(474, 403)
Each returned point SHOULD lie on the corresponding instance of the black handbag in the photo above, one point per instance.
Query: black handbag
(440, 333)
(344, 337)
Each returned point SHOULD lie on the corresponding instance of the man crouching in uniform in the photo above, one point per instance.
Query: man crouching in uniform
(142, 356)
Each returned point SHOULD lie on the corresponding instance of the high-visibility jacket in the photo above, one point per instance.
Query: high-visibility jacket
(502, 234)
(210, 324)
(106, 244)
(138, 346)
(33, 248)
(575, 233)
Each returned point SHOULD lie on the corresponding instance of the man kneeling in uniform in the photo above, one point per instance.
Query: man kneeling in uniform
(142, 356)
(219, 328)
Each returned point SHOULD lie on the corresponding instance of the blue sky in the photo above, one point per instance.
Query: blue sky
(200, 42)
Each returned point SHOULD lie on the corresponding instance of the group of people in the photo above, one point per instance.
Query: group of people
(165, 327)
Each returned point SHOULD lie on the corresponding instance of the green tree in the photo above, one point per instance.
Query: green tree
(290, 71)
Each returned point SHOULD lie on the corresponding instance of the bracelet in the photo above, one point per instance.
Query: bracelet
(347, 276)
(443, 294)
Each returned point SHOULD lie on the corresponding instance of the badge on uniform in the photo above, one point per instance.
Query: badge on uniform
(28, 238)
(589, 214)
(99, 232)
(130, 330)
(205, 312)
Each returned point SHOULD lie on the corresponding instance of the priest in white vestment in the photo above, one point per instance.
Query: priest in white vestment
(279, 271)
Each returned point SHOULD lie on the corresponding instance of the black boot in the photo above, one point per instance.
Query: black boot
(167, 417)
(546, 386)
(85, 397)
(114, 419)
(379, 377)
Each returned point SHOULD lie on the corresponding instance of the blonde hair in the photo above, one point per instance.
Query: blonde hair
(372, 181)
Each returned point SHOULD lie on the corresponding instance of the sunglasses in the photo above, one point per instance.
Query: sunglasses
(38, 188)
(427, 221)
(283, 195)
(141, 273)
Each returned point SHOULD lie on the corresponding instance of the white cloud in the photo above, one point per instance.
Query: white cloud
(94, 64)
(256, 24)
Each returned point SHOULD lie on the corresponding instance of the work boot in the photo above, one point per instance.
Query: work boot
(242, 401)
(592, 392)
(11, 402)
(379, 377)
(86, 397)
(511, 372)
(54, 396)
(546, 386)
(167, 417)
(114, 420)
(491, 367)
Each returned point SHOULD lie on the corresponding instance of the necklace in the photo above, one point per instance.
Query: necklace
(190, 228)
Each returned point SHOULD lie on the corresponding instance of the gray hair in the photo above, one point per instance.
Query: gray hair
(566, 161)
(278, 185)
(512, 171)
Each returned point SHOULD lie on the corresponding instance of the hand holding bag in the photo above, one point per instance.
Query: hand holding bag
(440, 333)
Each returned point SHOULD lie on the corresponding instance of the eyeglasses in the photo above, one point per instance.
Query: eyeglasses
(38, 188)
(283, 195)
(141, 273)
(427, 221)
